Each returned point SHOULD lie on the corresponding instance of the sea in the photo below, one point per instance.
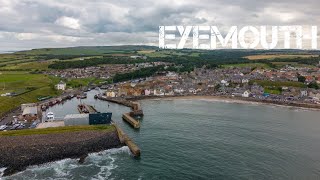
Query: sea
(199, 139)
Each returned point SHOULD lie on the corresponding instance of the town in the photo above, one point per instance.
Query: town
(286, 84)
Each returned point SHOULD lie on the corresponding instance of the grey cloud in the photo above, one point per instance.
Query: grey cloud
(113, 22)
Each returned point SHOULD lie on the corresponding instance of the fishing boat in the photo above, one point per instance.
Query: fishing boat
(50, 116)
(82, 96)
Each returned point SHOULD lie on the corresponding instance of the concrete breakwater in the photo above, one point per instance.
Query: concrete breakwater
(124, 138)
(131, 120)
(130, 116)
(19, 152)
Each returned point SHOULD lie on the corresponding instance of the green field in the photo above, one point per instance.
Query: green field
(31, 86)
(265, 83)
(88, 50)
(252, 65)
(29, 66)
(76, 83)
(282, 56)
(53, 130)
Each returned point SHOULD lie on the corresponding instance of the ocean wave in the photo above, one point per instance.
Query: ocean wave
(1, 172)
(102, 162)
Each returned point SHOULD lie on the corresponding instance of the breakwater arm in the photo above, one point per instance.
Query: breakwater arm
(129, 117)
(20, 151)
(124, 138)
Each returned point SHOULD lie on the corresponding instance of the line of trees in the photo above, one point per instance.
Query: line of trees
(94, 62)
(142, 73)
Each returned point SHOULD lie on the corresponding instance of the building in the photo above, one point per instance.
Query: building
(30, 113)
(61, 86)
(87, 119)
(147, 92)
(110, 94)
(246, 94)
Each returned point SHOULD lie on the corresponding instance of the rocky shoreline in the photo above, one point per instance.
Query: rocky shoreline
(19, 152)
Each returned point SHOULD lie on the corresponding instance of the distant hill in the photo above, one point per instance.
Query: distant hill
(88, 50)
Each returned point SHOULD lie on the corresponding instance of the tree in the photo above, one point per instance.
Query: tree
(301, 78)
(314, 85)
(217, 87)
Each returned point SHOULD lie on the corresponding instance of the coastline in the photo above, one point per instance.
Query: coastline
(241, 100)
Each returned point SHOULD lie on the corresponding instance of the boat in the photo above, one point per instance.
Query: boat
(50, 116)
(82, 96)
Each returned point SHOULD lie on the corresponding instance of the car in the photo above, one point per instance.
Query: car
(21, 126)
(3, 127)
(34, 124)
(15, 126)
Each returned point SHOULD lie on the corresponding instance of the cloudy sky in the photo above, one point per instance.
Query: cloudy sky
(26, 24)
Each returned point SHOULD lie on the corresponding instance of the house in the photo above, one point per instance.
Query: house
(246, 94)
(179, 90)
(192, 90)
(158, 92)
(314, 94)
(169, 93)
(224, 82)
(137, 92)
(30, 113)
(257, 89)
(243, 81)
(61, 86)
(147, 92)
(303, 93)
(110, 94)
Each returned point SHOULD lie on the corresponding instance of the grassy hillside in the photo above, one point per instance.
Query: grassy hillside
(87, 50)
(53, 130)
(28, 87)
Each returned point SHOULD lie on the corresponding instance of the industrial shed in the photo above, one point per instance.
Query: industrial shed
(100, 118)
(87, 119)
(76, 119)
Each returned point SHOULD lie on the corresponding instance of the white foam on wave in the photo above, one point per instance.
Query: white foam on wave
(62, 169)
(106, 156)
(1, 172)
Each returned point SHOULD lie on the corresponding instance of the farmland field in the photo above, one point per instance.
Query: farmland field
(29, 86)
(273, 56)
(252, 65)
(29, 66)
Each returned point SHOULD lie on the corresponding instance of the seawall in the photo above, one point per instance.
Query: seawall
(19, 152)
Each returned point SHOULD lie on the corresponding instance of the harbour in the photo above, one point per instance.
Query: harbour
(225, 138)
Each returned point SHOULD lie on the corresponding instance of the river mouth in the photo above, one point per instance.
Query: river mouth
(197, 139)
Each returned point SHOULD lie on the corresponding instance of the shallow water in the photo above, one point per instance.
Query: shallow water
(201, 139)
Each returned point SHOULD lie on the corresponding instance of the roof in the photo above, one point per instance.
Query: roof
(76, 116)
(30, 110)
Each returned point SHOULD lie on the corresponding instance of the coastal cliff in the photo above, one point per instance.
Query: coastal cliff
(19, 152)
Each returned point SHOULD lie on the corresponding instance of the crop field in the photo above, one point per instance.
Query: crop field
(273, 56)
(252, 65)
(43, 65)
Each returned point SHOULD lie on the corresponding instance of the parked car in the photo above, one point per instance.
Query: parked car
(34, 124)
(15, 126)
(21, 126)
(3, 127)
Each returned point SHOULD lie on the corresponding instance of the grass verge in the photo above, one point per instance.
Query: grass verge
(53, 130)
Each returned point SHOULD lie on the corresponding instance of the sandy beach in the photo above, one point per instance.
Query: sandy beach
(241, 100)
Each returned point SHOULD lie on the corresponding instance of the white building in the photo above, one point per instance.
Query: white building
(61, 86)
(110, 94)
(158, 92)
(246, 94)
